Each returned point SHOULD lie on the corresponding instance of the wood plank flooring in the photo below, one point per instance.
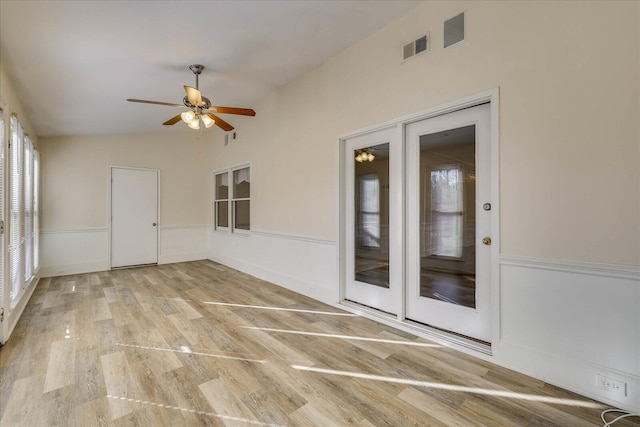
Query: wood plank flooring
(198, 343)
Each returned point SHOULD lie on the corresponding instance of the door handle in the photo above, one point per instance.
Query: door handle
(154, 224)
(486, 240)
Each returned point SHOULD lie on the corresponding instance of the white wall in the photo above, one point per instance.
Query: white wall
(569, 79)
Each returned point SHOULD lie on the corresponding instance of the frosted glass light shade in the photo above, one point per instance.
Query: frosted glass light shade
(188, 116)
(194, 124)
(208, 121)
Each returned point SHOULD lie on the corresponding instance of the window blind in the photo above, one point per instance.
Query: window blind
(28, 209)
(16, 199)
(2, 246)
(36, 210)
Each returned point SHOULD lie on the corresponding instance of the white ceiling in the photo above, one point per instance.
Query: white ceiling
(74, 63)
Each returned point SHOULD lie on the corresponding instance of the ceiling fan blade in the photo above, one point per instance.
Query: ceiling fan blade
(168, 104)
(193, 95)
(233, 110)
(173, 120)
(221, 123)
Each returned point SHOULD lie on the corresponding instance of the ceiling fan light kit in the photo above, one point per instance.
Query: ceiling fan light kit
(199, 108)
(364, 156)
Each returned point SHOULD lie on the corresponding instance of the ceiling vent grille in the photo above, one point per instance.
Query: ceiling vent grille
(413, 48)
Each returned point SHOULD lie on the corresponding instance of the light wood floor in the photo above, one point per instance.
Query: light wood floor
(200, 344)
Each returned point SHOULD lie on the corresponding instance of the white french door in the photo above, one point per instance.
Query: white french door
(134, 216)
(417, 217)
(373, 245)
(448, 218)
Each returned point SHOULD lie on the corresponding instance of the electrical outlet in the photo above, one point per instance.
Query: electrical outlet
(616, 389)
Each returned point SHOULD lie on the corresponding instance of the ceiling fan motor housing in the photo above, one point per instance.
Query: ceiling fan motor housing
(205, 103)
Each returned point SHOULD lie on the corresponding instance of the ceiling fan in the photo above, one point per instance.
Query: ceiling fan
(199, 108)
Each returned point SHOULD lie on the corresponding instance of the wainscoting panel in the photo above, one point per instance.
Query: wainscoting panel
(64, 252)
(301, 264)
(565, 322)
(180, 243)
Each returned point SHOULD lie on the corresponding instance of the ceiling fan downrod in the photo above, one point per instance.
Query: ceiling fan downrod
(197, 69)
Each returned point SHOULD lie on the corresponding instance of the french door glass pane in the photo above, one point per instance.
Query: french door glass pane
(447, 216)
(372, 215)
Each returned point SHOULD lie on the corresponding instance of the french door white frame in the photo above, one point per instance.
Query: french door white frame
(491, 96)
(472, 322)
(111, 168)
(385, 299)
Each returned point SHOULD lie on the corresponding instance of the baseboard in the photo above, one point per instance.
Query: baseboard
(302, 264)
(575, 375)
(65, 270)
(182, 257)
(295, 284)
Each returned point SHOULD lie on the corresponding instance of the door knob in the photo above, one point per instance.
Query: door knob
(154, 224)
(486, 240)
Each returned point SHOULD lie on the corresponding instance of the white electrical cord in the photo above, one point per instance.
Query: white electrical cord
(625, 414)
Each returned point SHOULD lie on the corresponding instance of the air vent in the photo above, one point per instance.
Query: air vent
(454, 30)
(415, 47)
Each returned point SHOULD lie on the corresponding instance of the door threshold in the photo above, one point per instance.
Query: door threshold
(134, 266)
(452, 337)
(419, 329)
(387, 314)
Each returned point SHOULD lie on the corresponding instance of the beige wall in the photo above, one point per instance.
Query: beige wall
(75, 176)
(569, 133)
(568, 74)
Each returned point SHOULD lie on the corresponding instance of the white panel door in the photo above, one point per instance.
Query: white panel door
(134, 217)
(449, 222)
